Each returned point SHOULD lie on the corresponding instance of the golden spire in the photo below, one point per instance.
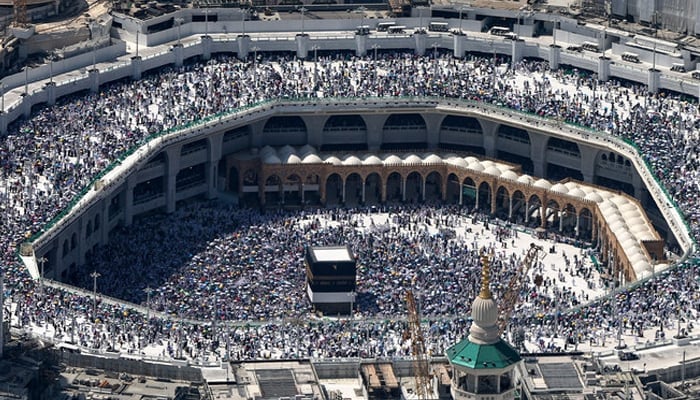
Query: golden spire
(485, 277)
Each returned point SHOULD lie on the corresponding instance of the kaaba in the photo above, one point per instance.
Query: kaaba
(331, 278)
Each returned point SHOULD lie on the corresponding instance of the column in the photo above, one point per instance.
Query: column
(178, 53)
(543, 215)
(653, 80)
(578, 224)
(104, 224)
(603, 69)
(458, 44)
(360, 44)
(50, 93)
(422, 184)
(476, 204)
(517, 51)
(403, 188)
(527, 211)
(302, 41)
(432, 125)
(421, 39)
(136, 68)
(510, 208)
(214, 143)
(301, 188)
(322, 189)
(26, 106)
(172, 168)
(129, 200)
(554, 57)
(206, 47)
(461, 195)
(561, 220)
(94, 76)
(364, 188)
(343, 193)
(243, 42)
(3, 122)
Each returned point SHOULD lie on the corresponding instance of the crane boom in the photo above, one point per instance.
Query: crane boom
(420, 360)
(510, 297)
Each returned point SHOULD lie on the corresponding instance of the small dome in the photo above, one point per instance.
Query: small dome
(333, 160)
(543, 183)
(432, 159)
(487, 163)
(527, 179)
(571, 185)
(392, 159)
(476, 166)
(594, 196)
(458, 161)
(371, 160)
(312, 159)
(484, 311)
(493, 170)
(576, 192)
(412, 159)
(509, 174)
(471, 159)
(293, 159)
(560, 188)
(352, 160)
(272, 159)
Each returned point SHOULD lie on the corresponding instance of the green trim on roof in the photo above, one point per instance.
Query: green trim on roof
(483, 356)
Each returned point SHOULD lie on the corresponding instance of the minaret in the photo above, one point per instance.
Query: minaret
(483, 363)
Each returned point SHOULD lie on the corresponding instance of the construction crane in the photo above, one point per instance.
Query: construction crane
(421, 365)
(510, 297)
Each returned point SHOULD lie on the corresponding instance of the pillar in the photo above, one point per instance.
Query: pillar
(517, 47)
(360, 45)
(94, 76)
(212, 165)
(104, 223)
(510, 208)
(561, 220)
(243, 42)
(136, 68)
(603, 69)
(653, 78)
(129, 200)
(172, 168)
(178, 53)
(459, 45)
(26, 106)
(343, 193)
(3, 122)
(364, 189)
(421, 39)
(206, 47)
(554, 57)
(422, 184)
(302, 42)
(577, 230)
(403, 188)
(433, 123)
(50, 93)
(543, 214)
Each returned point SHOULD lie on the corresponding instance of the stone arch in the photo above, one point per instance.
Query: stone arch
(334, 189)
(469, 193)
(484, 197)
(502, 202)
(353, 189)
(433, 187)
(519, 209)
(585, 224)
(413, 187)
(394, 184)
(453, 189)
(291, 189)
(373, 188)
(533, 213)
(552, 214)
(568, 220)
(344, 132)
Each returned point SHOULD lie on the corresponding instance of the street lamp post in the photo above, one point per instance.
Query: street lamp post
(26, 80)
(41, 261)
(244, 11)
(435, 46)
(315, 49)
(51, 69)
(206, 22)
(361, 10)
(94, 275)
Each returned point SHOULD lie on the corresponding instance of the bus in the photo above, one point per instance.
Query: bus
(384, 26)
(499, 31)
(631, 57)
(362, 30)
(590, 46)
(396, 29)
(438, 27)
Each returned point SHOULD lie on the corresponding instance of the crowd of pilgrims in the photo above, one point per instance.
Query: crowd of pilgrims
(241, 267)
